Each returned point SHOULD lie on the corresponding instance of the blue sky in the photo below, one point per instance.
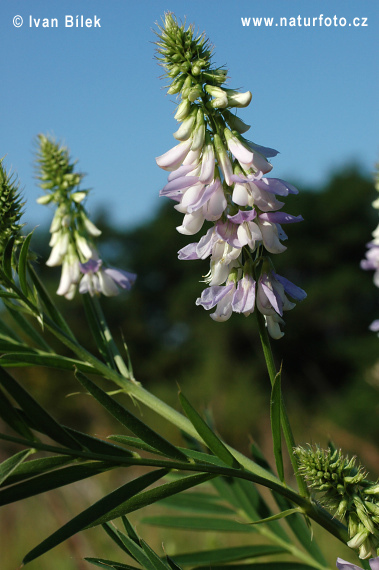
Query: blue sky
(315, 90)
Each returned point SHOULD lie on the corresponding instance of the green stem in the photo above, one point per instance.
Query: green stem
(313, 511)
(287, 431)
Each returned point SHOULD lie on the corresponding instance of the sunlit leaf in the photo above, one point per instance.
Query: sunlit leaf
(25, 356)
(52, 480)
(36, 467)
(10, 464)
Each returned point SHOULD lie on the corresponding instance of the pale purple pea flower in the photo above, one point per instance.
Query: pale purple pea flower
(272, 300)
(107, 281)
(343, 565)
(244, 297)
(173, 158)
(372, 261)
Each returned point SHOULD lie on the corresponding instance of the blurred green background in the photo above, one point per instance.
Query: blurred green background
(330, 358)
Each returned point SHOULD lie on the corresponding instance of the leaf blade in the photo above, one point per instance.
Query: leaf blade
(130, 421)
(91, 515)
(276, 430)
(210, 438)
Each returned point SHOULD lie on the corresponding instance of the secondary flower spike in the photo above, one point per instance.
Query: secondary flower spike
(218, 180)
(72, 232)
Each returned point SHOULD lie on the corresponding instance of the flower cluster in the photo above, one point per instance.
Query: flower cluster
(347, 492)
(372, 255)
(218, 176)
(11, 208)
(72, 232)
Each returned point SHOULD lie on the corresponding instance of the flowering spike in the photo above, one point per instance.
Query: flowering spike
(72, 232)
(218, 176)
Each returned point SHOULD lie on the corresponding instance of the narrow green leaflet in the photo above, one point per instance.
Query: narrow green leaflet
(11, 416)
(246, 497)
(140, 555)
(91, 516)
(133, 442)
(153, 495)
(172, 564)
(50, 307)
(210, 438)
(52, 480)
(27, 328)
(262, 566)
(40, 418)
(129, 529)
(30, 357)
(157, 562)
(198, 504)
(114, 534)
(110, 565)
(7, 258)
(199, 523)
(9, 465)
(9, 345)
(278, 516)
(224, 555)
(22, 265)
(276, 429)
(130, 421)
(36, 467)
(97, 445)
(96, 330)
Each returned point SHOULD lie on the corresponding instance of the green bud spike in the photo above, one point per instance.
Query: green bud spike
(10, 207)
(345, 493)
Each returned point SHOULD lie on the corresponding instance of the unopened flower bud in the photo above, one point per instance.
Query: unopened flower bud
(235, 123)
(195, 93)
(197, 66)
(199, 134)
(183, 110)
(236, 99)
(186, 87)
(176, 85)
(359, 538)
(46, 199)
(90, 227)
(185, 130)
(78, 196)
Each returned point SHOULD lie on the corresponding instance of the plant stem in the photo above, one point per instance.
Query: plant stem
(287, 431)
(313, 511)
